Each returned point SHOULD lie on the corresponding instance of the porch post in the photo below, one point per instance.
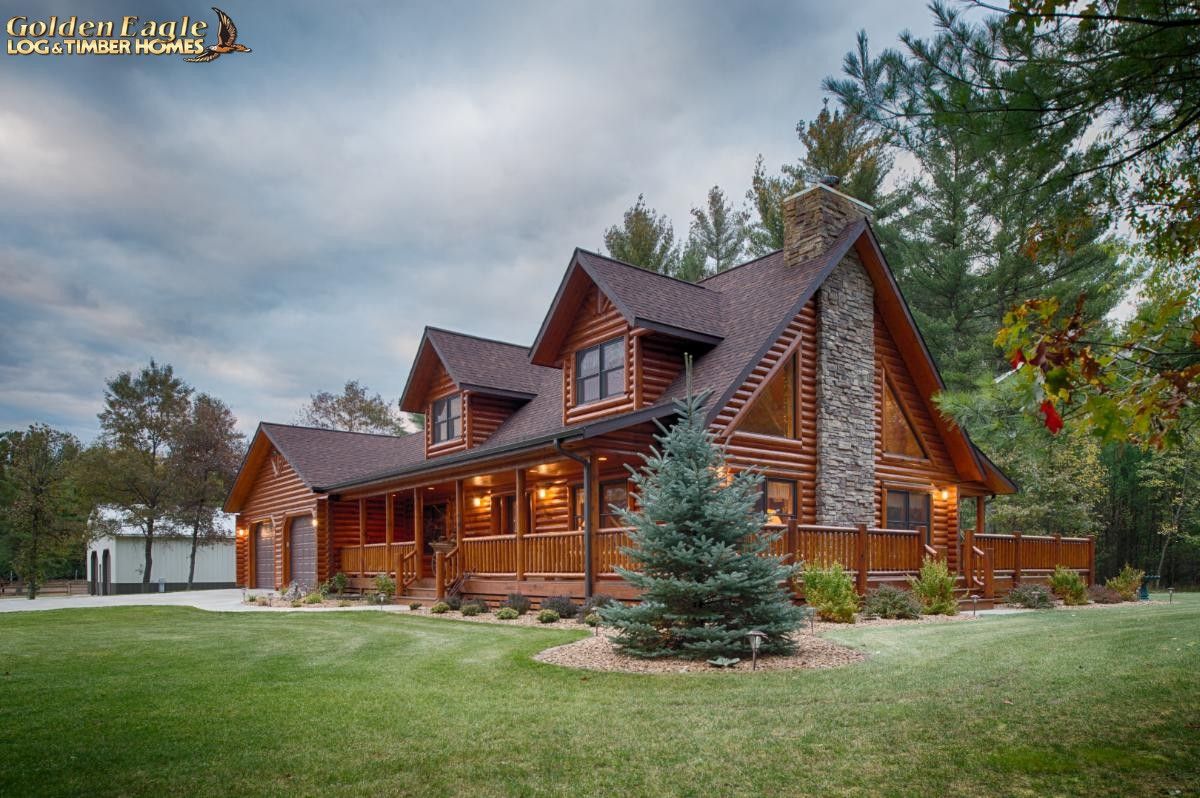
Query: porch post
(389, 531)
(362, 537)
(459, 510)
(863, 561)
(1016, 576)
(522, 522)
(592, 521)
(419, 531)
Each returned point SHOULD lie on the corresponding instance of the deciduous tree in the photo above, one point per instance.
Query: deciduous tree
(355, 409)
(644, 238)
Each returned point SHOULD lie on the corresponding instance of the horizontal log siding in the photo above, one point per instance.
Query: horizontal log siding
(484, 415)
(659, 361)
(932, 475)
(781, 457)
(597, 321)
(278, 493)
(440, 385)
(551, 508)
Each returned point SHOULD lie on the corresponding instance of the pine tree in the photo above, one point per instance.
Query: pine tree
(644, 238)
(703, 560)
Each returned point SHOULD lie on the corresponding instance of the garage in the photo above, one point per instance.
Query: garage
(264, 556)
(302, 553)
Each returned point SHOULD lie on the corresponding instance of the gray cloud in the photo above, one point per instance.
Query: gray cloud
(277, 223)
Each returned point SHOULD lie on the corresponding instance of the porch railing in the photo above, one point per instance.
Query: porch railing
(376, 558)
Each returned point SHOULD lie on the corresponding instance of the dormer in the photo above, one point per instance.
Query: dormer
(619, 335)
(466, 387)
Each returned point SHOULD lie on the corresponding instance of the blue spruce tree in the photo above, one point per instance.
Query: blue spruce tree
(703, 559)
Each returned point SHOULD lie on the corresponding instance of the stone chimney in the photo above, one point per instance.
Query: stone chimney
(813, 220)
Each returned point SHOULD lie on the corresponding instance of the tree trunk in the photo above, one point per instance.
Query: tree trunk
(149, 551)
(192, 558)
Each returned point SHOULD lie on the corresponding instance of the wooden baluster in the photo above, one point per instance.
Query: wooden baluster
(861, 543)
(989, 575)
(362, 537)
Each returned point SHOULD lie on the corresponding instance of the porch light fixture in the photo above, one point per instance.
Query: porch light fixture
(1170, 595)
(241, 533)
(756, 638)
(945, 494)
(602, 459)
(541, 493)
(478, 502)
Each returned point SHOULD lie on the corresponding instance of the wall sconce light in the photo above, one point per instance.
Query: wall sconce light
(945, 494)
(602, 459)
(541, 493)
(241, 533)
(478, 502)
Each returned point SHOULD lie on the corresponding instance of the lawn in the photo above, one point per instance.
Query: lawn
(180, 702)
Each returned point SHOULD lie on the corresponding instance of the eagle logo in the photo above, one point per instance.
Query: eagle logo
(226, 41)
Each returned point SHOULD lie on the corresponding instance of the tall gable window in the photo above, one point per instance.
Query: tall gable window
(774, 409)
(600, 371)
(447, 419)
(898, 435)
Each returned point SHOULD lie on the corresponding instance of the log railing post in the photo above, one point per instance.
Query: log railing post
(863, 561)
(389, 535)
(419, 532)
(522, 523)
(1091, 559)
(439, 572)
(362, 537)
(989, 575)
(968, 565)
(1057, 550)
(792, 541)
(1016, 574)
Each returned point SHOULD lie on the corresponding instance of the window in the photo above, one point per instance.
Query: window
(908, 510)
(611, 493)
(778, 500)
(600, 371)
(774, 409)
(898, 435)
(447, 418)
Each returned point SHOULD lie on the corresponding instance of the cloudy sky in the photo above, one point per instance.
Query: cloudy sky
(277, 223)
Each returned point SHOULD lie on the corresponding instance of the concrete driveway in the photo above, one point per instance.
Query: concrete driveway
(211, 600)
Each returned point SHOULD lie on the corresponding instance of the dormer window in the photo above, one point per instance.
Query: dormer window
(447, 419)
(600, 371)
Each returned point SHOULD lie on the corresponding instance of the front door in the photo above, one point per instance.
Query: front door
(909, 510)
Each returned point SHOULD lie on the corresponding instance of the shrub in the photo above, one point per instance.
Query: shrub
(592, 619)
(1033, 597)
(507, 614)
(263, 601)
(518, 602)
(386, 585)
(891, 602)
(935, 588)
(562, 605)
(474, 607)
(830, 592)
(338, 583)
(1068, 586)
(414, 605)
(314, 598)
(454, 602)
(547, 616)
(594, 603)
(297, 603)
(1102, 594)
(1127, 582)
(440, 608)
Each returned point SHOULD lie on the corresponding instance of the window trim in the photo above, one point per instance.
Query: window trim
(601, 370)
(910, 492)
(764, 494)
(794, 360)
(449, 402)
(890, 385)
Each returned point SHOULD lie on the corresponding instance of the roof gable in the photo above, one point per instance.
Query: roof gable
(481, 365)
(643, 298)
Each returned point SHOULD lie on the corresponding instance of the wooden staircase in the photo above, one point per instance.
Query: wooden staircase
(423, 590)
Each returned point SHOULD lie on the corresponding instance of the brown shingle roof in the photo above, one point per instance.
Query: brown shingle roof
(325, 457)
(483, 362)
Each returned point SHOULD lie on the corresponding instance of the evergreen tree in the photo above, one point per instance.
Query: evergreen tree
(703, 559)
(845, 145)
(644, 238)
(766, 195)
(719, 232)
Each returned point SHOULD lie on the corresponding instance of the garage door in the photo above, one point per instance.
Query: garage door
(264, 556)
(303, 553)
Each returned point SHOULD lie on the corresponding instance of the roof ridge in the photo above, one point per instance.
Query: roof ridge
(740, 265)
(327, 429)
(627, 264)
(476, 337)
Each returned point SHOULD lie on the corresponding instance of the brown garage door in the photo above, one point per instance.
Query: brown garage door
(264, 556)
(303, 553)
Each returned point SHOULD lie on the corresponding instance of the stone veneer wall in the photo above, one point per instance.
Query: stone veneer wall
(846, 396)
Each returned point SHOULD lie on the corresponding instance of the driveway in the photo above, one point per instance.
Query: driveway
(211, 600)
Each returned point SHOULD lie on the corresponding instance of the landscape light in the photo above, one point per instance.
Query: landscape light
(974, 606)
(756, 638)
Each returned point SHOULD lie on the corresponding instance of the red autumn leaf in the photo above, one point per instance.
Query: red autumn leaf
(1054, 421)
(1018, 357)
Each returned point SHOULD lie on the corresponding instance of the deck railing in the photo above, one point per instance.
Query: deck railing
(1019, 554)
(374, 558)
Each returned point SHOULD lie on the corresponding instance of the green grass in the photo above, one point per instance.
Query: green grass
(178, 702)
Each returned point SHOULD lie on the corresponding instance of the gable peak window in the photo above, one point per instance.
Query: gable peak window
(774, 409)
(447, 418)
(600, 371)
(899, 437)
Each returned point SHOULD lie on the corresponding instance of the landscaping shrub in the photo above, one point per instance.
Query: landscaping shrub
(562, 605)
(297, 603)
(507, 614)
(891, 602)
(592, 619)
(314, 598)
(1032, 597)
(338, 583)
(263, 601)
(518, 602)
(934, 587)
(1127, 582)
(386, 585)
(594, 603)
(414, 605)
(830, 592)
(1102, 594)
(454, 602)
(474, 606)
(440, 608)
(547, 616)
(1068, 586)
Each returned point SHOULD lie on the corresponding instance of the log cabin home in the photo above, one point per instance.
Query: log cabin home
(814, 373)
